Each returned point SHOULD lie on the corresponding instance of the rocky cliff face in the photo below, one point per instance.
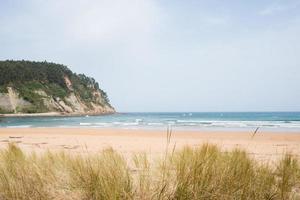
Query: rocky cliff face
(75, 94)
(12, 102)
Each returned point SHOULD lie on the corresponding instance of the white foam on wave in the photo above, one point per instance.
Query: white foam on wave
(19, 126)
(102, 124)
(197, 123)
(130, 123)
(85, 124)
(125, 123)
(171, 122)
(95, 124)
(238, 124)
(138, 120)
(194, 121)
(155, 124)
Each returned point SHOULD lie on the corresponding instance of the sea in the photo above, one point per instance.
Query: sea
(273, 121)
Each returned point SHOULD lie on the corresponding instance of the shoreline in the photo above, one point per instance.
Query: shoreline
(161, 129)
(53, 114)
(264, 145)
(288, 122)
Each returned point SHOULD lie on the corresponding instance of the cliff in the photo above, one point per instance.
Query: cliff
(42, 87)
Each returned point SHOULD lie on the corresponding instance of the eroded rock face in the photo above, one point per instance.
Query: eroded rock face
(11, 102)
(68, 83)
(5, 103)
(77, 105)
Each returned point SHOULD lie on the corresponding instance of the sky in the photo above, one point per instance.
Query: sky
(166, 55)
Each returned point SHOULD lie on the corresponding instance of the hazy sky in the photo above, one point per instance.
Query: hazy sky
(167, 55)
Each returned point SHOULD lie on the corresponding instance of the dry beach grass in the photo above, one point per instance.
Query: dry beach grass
(177, 172)
(58, 163)
(203, 172)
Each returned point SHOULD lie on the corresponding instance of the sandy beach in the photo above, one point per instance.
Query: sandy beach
(264, 145)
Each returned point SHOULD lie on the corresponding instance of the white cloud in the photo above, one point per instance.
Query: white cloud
(86, 21)
(272, 9)
(279, 7)
(106, 20)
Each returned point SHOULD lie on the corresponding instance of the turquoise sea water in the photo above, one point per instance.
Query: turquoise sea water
(289, 121)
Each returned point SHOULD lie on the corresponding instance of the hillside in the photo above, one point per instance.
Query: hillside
(42, 87)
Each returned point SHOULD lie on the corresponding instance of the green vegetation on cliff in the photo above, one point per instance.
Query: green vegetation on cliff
(33, 79)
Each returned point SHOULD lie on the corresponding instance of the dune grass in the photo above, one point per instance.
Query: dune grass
(191, 173)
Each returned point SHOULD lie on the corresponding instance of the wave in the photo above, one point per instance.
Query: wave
(95, 124)
(194, 123)
(19, 126)
(138, 120)
(155, 124)
(238, 124)
(130, 124)
(85, 124)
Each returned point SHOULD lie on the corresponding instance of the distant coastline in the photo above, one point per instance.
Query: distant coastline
(48, 89)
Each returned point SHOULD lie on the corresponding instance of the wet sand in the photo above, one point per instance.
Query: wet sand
(264, 145)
